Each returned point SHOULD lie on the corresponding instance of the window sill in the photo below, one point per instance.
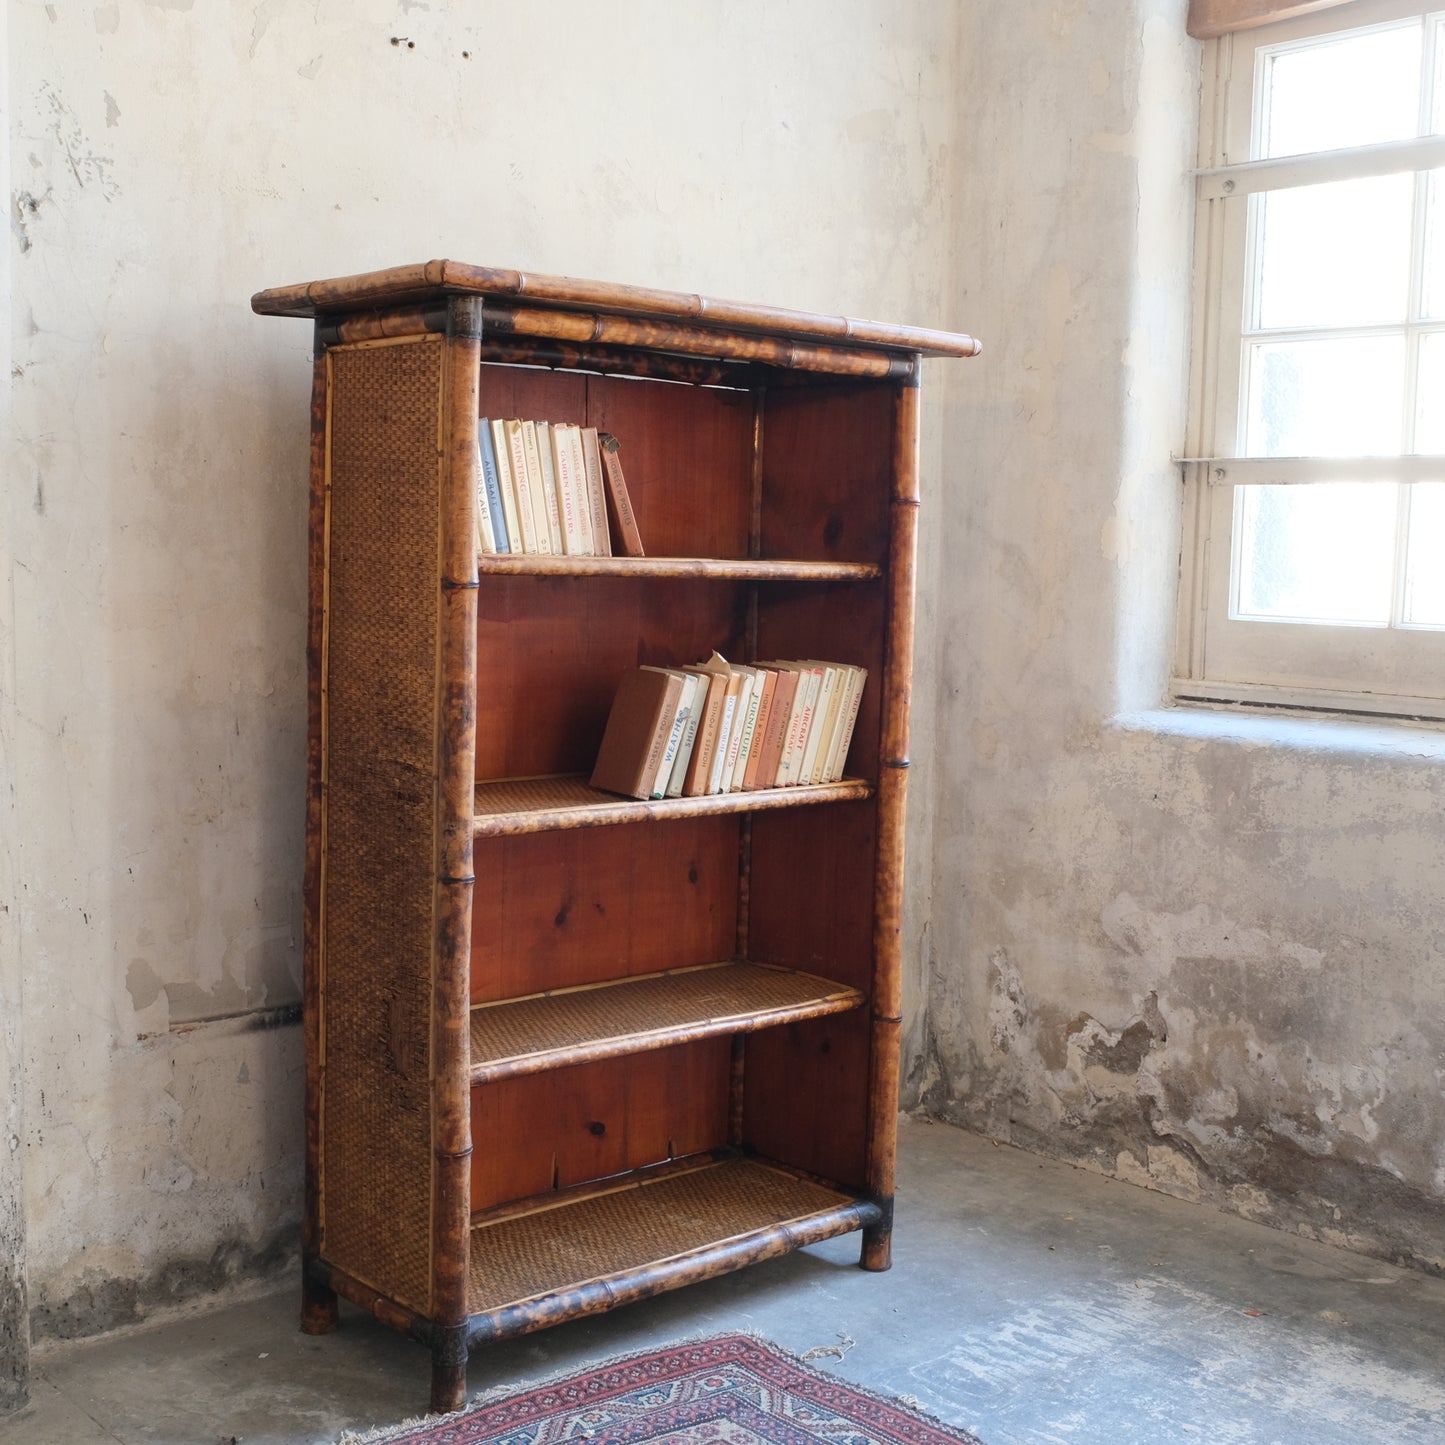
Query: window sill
(1270, 728)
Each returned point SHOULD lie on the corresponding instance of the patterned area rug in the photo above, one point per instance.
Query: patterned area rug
(729, 1390)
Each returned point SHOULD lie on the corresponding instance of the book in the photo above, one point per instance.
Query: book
(489, 500)
(768, 691)
(700, 768)
(754, 691)
(596, 496)
(825, 714)
(623, 522)
(690, 685)
(847, 720)
(674, 730)
(745, 681)
(697, 704)
(486, 539)
(579, 476)
(796, 735)
(812, 682)
(502, 452)
(545, 430)
(521, 486)
(731, 683)
(540, 528)
(776, 736)
(567, 494)
(643, 716)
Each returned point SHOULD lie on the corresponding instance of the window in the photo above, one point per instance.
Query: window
(1314, 560)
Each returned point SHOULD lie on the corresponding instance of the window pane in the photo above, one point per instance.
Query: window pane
(1430, 405)
(1333, 398)
(1321, 552)
(1434, 300)
(1425, 569)
(1437, 123)
(1346, 92)
(1337, 254)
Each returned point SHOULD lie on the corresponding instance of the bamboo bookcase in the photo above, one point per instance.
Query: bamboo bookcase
(566, 1050)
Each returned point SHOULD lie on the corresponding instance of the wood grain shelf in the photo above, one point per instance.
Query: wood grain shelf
(649, 1011)
(742, 569)
(542, 805)
(631, 1237)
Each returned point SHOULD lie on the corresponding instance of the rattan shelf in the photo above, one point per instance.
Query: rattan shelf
(738, 570)
(543, 805)
(651, 1011)
(629, 1238)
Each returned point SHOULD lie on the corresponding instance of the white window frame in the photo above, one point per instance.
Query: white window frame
(1392, 671)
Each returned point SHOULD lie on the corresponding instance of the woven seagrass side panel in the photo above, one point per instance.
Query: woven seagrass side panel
(379, 871)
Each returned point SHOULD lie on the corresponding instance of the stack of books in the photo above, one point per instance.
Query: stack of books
(720, 728)
(545, 488)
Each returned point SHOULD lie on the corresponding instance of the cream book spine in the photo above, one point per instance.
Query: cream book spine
(825, 716)
(791, 768)
(674, 731)
(521, 485)
(572, 539)
(746, 683)
(579, 480)
(747, 738)
(696, 704)
(539, 493)
(545, 429)
(832, 764)
(508, 488)
(849, 721)
(596, 497)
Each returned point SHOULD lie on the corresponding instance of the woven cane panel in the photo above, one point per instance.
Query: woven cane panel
(697, 1003)
(379, 879)
(518, 1259)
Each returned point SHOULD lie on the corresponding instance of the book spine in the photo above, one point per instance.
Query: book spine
(701, 766)
(579, 482)
(626, 532)
(749, 731)
(596, 497)
(566, 494)
(669, 753)
(818, 726)
(769, 690)
(502, 451)
(492, 489)
(538, 492)
(545, 433)
(697, 705)
(724, 736)
(848, 723)
(521, 485)
(486, 538)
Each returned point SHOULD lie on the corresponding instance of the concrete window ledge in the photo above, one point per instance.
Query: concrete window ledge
(1336, 738)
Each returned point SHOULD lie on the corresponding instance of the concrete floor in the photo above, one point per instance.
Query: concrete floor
(1031, 1302)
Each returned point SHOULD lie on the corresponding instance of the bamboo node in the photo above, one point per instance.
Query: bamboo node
(450, 584)
(899, 763)
(465, 881)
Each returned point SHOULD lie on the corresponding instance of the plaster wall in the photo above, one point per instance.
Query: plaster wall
(1198, 952)
(168, 158)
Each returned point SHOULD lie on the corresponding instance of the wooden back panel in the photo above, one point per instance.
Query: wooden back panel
(545, 1131)
(554, 910)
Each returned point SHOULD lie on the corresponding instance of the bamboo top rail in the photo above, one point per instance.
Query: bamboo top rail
(431, 280)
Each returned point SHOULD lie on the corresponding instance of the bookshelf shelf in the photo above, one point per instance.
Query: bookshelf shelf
(738, 570)
(532, 1090)
(650, 1011)
(629, 1237)
(543, 805)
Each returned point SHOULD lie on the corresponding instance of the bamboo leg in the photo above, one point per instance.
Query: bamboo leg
(319, 1315)
(448, 1386)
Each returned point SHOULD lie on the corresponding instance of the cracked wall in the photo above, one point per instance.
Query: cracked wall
(1195, 952)
(168, 159)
